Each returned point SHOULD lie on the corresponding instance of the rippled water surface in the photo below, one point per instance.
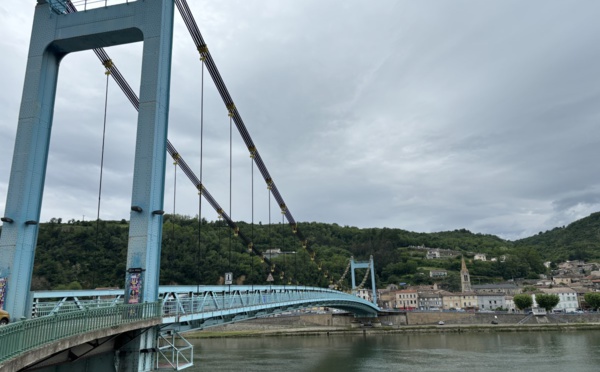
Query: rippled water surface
(531, 352)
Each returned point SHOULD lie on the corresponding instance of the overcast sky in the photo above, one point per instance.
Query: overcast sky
(422, 115)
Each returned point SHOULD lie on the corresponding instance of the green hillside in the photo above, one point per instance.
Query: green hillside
(579, 240)
(84, 254)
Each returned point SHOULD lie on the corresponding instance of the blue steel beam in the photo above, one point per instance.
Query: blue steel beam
(203, 302)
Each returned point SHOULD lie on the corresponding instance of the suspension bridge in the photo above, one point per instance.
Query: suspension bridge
(140, 327)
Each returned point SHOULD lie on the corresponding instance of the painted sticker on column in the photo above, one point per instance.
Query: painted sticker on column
(135, 287)
(3, 285)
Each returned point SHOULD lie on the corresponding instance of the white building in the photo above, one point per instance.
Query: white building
(568, 298)
(509, 304)
(490, 301)
(437, 273)
(480, 257)
(365, 294)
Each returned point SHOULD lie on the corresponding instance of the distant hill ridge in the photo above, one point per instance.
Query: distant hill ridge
(77, 254)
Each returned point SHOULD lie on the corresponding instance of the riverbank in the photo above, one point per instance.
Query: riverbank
(247, 329)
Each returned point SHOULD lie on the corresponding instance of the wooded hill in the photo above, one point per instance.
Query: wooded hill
(86, 254)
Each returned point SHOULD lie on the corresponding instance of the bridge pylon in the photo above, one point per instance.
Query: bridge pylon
(370, 266)
(57, 31)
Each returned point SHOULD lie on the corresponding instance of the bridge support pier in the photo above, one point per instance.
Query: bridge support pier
(138, 354)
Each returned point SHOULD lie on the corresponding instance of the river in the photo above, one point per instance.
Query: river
(571, 351)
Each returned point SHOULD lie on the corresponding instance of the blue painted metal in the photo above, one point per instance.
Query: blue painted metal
(364, 265)
(186, 308)
(21, 337)
(201, 306)
(54, 35)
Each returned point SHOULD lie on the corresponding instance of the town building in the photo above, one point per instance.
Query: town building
(568, 298)
(480, 257)
(505, 288)
(491, 301)
(437, 273)
(365, 294)
(386, 298)
(407, 299)
(464, 300)
(431, 300)
(509, 303)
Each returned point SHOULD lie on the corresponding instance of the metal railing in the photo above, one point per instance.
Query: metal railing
(40, 309)
(62, 6)
(21, 337)
(210, 301)
(174, 352)
(186, 300)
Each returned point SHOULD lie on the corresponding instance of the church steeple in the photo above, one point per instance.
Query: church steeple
(465, 279)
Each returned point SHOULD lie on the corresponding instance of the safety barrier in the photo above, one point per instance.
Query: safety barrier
(21, 337)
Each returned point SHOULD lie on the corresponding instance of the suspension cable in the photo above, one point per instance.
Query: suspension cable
(174, 210)
(284, 253)
(339, 282)
(252, 218)
(230, 179)
(199, 253)
(362, 284)
(270, 226)
(211, 67)
(107, 73)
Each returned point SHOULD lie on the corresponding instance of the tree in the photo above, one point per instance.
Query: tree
(592, 299)
(523, 301)
(547, 301)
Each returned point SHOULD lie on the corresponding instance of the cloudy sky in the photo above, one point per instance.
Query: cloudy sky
(421, 115)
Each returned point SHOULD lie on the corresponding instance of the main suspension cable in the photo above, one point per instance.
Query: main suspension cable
(211, 67)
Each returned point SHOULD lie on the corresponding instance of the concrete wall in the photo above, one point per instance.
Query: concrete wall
(423, 318)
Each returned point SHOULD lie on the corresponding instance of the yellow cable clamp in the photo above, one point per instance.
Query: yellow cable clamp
(295, 228)
(203, 49)
(236, 231)
(220, 213)
(230, 109)
(175, 158)
(252, 150)
(283, 209)
(269, 183)
(108, 64)
(200, 188)
(250, 247)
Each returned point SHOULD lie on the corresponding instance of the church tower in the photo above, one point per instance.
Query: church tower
(465, 279)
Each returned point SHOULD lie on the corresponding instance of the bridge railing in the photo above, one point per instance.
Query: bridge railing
(62, 6)
(210, 301)
(21, 337)
(51, 308)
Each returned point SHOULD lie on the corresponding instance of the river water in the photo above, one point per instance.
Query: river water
(571, 351)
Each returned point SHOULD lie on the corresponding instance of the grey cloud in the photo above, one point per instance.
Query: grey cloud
(418, 115)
